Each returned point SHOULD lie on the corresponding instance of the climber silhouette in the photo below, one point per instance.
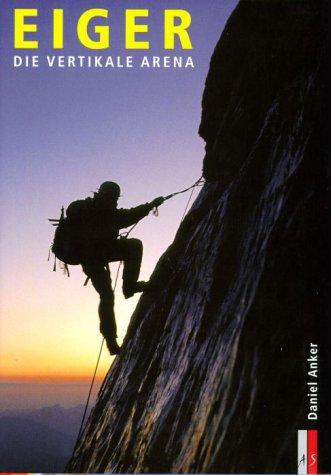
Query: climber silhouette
(105, 245)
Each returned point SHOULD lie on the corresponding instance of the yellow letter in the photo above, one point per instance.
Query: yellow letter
(58, 28)
(170, 29)
(21, 28)
(131, 28)
(103, 31)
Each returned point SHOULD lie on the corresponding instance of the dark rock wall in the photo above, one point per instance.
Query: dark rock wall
(267, 51)
(212, 376)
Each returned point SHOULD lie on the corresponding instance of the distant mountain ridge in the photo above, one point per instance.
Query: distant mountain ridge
(41, 440)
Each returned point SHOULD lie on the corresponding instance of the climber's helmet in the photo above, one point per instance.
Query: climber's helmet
(109, 189)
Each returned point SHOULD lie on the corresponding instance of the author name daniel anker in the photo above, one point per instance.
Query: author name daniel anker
(312, 382)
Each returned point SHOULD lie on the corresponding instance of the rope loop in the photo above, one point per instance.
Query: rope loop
(156, 211)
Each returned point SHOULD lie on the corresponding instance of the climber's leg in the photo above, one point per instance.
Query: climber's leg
(130, 251)
(101, 280)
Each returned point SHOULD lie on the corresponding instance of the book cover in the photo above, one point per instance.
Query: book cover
(164, 216)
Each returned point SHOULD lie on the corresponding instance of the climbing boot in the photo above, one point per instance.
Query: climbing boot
(113, 347)
(130, 290)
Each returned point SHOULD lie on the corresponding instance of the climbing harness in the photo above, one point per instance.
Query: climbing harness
(124, 235)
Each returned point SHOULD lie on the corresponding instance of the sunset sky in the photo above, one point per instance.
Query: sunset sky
(63, 132)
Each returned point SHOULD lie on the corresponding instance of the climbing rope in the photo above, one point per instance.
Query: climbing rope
(199, 182)
(125, 235)
(187, 204)
(96, 369)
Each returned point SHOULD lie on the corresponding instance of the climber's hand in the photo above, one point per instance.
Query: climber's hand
(157, 202)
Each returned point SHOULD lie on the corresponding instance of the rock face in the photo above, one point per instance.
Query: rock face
(213, 373)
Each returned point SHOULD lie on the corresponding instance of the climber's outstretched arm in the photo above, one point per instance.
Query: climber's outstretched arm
(128, 217)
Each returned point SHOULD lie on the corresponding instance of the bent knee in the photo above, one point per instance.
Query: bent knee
(135, 244)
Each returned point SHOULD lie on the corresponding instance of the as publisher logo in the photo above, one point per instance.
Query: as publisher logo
(307, 452)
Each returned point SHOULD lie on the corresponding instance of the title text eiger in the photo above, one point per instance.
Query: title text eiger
(176, 24)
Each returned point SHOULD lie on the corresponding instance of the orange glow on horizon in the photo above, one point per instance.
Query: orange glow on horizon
(50, 379)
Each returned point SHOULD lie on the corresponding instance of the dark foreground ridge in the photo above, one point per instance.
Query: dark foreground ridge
(213, 373)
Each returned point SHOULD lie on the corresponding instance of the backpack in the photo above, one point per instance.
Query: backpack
(71, 238)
